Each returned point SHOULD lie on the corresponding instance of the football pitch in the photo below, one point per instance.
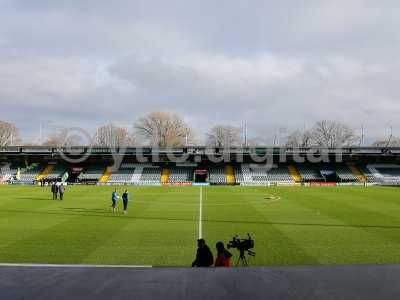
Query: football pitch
(290, 225)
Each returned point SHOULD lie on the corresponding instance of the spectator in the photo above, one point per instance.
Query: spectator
(54, 190)
(61, 190)
(223, 256)
(204, 257)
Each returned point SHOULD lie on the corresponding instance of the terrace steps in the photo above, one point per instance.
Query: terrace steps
(46, 171)
(165, 175)
(230, 175)
(294, 173)
(357, 172)
(106, 176)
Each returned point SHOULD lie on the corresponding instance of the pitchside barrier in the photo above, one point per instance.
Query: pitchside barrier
(129, 183)
(248, 184)
(146, 183)
(310, 184)
(389, 183)
(177, 184)
(288, 184)
(353, 184)
(322, 183)
(200, 184)
(255, 184)
(21, 183)
(270, 184)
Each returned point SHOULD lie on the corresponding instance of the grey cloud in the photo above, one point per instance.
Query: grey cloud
(272, 64)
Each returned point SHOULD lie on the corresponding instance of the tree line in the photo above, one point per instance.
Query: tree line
(164, 129)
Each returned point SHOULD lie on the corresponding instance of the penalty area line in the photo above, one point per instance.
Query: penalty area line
(70, 265)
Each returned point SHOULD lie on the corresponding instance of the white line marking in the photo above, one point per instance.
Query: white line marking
(272, 198)
(70, 266)
(201, 213)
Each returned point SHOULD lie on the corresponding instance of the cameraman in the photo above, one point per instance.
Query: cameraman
(204, 257)
(223, 256)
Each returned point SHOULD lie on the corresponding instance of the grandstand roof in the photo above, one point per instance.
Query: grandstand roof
(77, 150)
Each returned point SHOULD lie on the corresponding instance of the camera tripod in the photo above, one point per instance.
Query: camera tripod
(242, 260)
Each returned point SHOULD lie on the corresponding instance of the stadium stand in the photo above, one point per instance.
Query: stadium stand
(294, 173)
(124, 174)
(368, 174)
(5, 172)
(216, 175)
(150, 175)
(238, 174)
(180, 174)
(106, 175)
(385, 173)
(389, 172)
(57, 172)
(30, 173)
(357, 172)
(243, 174)
(363, 165)
(45, 172)
(375, 173)
(230, 175)
(92, 173)
(344, 172)
(262, 174)
(137, 173)
(165, 175)
(309, 173)
(133, 173)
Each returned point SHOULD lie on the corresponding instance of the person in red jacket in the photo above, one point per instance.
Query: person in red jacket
(223, 256)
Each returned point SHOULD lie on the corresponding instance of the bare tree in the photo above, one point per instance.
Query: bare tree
(224, 136)
(392, 142)
(9, 134)
(163, 129)
(252, 142)
(333, 134)
(299, 139)
(62, 138)
(113, 136)
(324, 134)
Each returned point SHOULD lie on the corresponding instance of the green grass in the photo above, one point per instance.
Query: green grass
(307, 226)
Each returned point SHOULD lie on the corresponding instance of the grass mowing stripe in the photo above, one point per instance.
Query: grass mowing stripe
(272, 245)
(16, 225)
(283, 242)
(108, 216)
(157, 235)
(311, 226)
(353, 216)
(63, 238)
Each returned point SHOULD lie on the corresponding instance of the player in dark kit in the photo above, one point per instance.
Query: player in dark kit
(125, 198)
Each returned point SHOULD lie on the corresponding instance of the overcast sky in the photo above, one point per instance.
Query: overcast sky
(278, 65)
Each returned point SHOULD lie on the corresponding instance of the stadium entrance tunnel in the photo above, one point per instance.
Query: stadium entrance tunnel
(329, 174)
(200, 176)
